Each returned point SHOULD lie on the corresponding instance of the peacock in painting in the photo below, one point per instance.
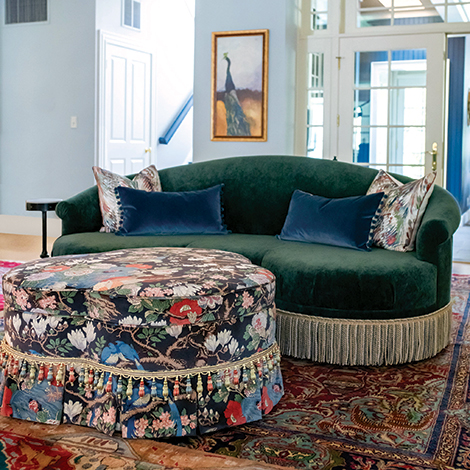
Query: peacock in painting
(237, 124)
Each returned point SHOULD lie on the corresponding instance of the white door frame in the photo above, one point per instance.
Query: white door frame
(105, 38)
(305, 47)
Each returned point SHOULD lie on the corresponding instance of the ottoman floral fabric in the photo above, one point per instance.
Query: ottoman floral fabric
(154, 342)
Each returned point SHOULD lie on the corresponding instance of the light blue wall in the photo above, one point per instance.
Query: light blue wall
(47, 75)
(227, 15)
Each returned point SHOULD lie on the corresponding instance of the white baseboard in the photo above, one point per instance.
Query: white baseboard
(21, 225)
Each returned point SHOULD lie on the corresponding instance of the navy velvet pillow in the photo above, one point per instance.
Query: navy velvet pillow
(346, 222)
(170, 213)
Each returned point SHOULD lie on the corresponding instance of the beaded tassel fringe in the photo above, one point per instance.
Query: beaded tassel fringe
(94, 377)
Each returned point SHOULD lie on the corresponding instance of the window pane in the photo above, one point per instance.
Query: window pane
(319, 21)
(25, 11)
(315, 105)
(370, 145)
(411, 12)
(128, 12)
(136, 22)
(361, 107)
(408, 68)
(458, 14)
(368, 18)
(409, 55)
(378, 167)
(378, 145)
(370, 4)
(414, 172)
(408, 107)
(379, 108)
(420, 15)
(361, 145)
(407, 145)
(11, 11)
(315, 108)
(315, 142)
(371, 107)
(371, 69)
(320, 5)
(319, 9)
(316, 67)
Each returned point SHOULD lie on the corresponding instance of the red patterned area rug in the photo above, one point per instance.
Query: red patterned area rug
(33, 446)
(414, 417)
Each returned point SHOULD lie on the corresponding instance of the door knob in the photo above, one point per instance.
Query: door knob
(433, 153)
(148, 150)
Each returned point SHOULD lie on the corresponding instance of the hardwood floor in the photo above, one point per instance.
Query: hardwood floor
(29, 247)
(22, 247)
(460, 268)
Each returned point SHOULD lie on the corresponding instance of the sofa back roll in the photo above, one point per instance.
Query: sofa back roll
(257, 189)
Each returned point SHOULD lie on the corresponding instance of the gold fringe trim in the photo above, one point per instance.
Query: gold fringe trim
(363, 342)
(260, 359)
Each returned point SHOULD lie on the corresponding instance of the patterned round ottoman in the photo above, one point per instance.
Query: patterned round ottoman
(155, 342)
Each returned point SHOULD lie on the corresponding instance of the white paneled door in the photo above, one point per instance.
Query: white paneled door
(391, 103)
(127, 109)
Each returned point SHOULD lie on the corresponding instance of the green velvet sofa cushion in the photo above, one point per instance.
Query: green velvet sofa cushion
(310, 278)
(97, 242)
(338, 282)
(254, 247)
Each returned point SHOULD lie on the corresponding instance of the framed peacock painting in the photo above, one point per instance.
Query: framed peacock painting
(240, 85)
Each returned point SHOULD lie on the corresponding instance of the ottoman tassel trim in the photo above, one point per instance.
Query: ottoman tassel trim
(91, 374)
(363, 342)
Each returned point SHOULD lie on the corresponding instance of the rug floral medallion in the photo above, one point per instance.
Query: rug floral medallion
(413, 416)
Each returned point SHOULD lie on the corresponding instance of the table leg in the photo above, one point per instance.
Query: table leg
(44, 235)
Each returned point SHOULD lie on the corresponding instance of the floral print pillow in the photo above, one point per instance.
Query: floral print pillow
(147, 180)
(383, 183)
(402, 211)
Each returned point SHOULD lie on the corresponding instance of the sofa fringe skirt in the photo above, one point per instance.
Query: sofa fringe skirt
(363, 342)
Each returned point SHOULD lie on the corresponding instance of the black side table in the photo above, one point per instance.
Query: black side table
(42, 205)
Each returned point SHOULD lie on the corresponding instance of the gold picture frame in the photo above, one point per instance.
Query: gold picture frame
(239, 110)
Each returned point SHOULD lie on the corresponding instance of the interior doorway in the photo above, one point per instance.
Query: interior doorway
(125, 106)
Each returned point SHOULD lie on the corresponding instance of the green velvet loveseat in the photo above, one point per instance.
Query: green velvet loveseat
(334, 305)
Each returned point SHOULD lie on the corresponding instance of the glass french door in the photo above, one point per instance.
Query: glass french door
(391, 103)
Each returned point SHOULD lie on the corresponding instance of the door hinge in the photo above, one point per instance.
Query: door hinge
(337, 120)
(338, 58)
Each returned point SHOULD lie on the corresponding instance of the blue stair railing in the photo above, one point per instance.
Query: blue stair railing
(177, 122)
